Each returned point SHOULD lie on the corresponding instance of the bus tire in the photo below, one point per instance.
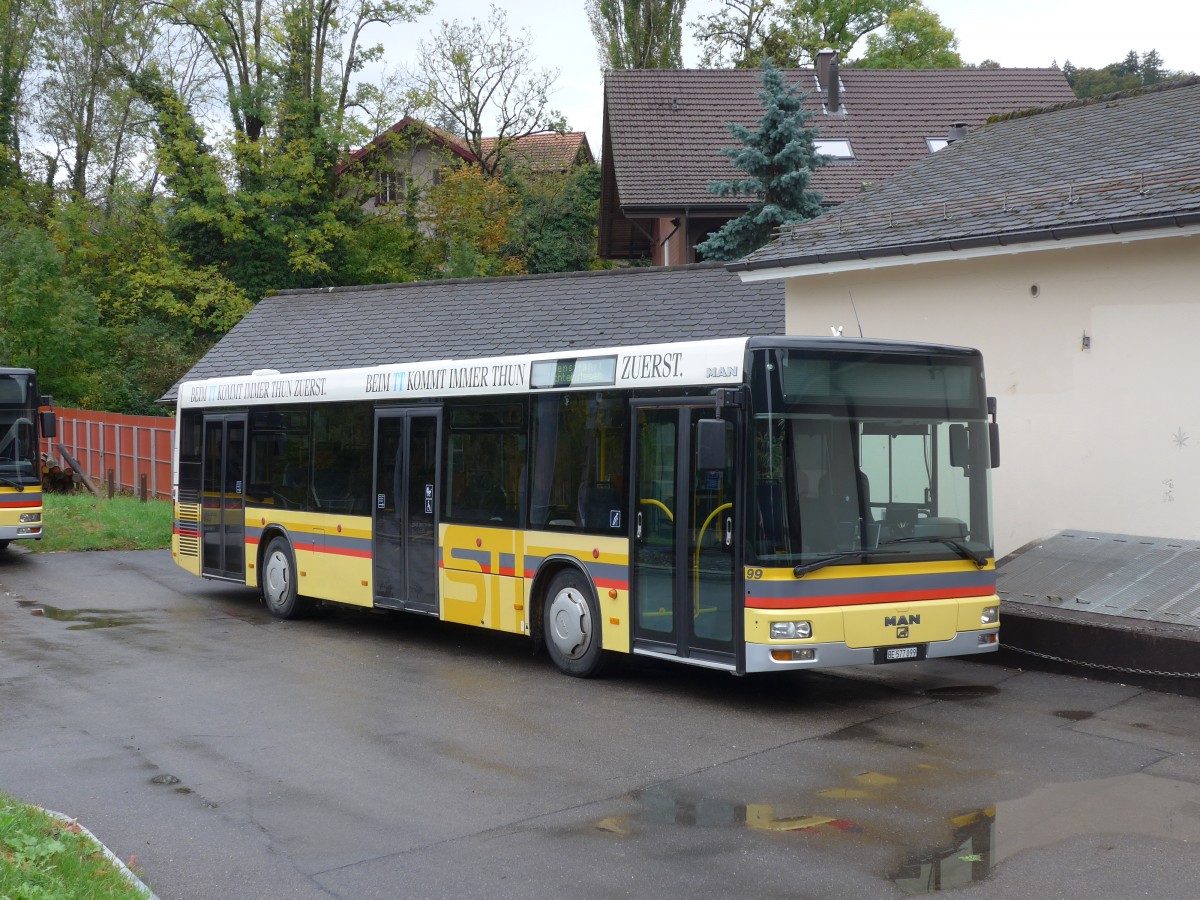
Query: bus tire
(571, 625)
(278, 581)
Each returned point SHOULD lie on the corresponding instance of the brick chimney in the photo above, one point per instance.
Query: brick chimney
(827, 78)
(825, 58)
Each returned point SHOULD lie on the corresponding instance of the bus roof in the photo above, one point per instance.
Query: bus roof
(688, 364)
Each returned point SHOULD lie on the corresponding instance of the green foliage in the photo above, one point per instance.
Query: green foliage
(789, 32)
(1129, 74)
(470, 215)
(778, 160)
(49, 320)
(638, 34)
(386, 248)
(913, 39)
(558, 220)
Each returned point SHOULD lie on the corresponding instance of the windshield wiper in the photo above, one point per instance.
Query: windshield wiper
(813, 565)
(20, 487)
(959, 547)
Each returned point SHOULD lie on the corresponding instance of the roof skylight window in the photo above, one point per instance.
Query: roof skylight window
(838, 148)
(936, 144)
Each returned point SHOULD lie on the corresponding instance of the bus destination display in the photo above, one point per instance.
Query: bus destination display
(562, 373)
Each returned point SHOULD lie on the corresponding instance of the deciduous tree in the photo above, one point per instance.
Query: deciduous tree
(481, 79)
(914, 38)
(789, 32)
(638, 34)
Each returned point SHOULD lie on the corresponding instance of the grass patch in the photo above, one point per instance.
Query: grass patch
(44, 858)
(84, 522)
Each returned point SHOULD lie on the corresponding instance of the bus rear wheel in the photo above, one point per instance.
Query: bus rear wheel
(571, 625)
(278, 581)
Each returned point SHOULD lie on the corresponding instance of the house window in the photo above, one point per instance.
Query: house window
(838, 148)
(936, 144)
(390, 187)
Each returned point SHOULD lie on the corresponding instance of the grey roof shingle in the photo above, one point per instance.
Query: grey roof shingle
(1118, 162)
(665, 127)
(309, 330)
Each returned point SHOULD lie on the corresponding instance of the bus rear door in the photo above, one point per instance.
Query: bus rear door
(406, 495)
(223, 505)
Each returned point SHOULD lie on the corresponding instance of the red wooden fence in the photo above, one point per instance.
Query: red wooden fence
(129, 447)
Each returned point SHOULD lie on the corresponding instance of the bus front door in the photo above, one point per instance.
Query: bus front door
(405, 550)
(222, 510)
(683, 567)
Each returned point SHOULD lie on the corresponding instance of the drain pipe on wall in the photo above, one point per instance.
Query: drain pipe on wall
(665, 244)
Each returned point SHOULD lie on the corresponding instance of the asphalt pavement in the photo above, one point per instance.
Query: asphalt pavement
(358, 755)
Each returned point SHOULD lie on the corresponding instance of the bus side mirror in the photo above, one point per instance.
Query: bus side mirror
(48, 423)
(710, 444)
(993, 433)
(960, 453)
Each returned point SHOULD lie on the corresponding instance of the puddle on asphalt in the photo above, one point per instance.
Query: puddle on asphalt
(1074, 715)
(83, 618)
(874, 735)
(977, 840)
(965, 859)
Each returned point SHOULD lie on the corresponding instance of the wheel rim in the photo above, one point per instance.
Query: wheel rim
(277, 579)
(570, 623)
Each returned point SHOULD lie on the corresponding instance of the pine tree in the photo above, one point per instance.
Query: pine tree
(778, 160)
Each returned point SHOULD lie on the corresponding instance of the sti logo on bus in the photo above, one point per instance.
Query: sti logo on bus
(901, 620)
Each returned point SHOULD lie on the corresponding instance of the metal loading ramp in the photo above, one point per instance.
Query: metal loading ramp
(1111, 574)
(1105, 605)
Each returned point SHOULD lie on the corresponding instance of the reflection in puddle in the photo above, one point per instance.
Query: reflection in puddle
(978, 839)
(967, 857)
(660, 808)
(85, 618)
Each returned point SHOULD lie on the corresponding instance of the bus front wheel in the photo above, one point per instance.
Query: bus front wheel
(279, 581)
(571, 625)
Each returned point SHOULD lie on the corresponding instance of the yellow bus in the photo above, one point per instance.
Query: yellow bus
(20, 463)
(759, 504)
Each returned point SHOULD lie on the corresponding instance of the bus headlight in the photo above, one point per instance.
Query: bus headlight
(790, 631)
(31, 517)
(990, 615)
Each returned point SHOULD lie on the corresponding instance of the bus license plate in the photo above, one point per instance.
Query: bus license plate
(899, 654)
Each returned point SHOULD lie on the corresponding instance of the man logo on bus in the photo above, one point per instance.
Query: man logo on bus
(889, 621)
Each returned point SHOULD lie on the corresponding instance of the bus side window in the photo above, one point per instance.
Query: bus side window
(485, 463)
(578, 462)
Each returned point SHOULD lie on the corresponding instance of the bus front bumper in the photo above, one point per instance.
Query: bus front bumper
(790, 657)
(32, 531)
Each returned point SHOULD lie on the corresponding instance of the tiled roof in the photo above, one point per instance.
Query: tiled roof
(308, 330)
(547, 151)
(451, 142)
(1115, 163)
(666, 127)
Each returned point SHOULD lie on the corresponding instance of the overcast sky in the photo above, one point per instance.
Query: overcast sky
(1012, 32)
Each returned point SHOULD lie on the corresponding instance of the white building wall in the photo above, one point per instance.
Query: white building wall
(1105, 438)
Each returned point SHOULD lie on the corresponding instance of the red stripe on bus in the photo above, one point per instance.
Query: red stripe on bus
(865, 599)
(20, 504)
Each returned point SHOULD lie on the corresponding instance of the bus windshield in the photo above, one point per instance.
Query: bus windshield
(18, 449)
(865, 458)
